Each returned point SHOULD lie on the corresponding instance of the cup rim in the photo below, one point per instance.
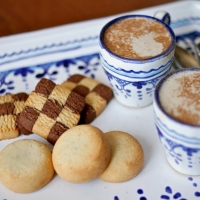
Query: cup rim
(166, 52)
(157, 100)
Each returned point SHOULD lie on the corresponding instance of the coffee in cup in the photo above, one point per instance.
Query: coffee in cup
(180, 97)
(137, 38)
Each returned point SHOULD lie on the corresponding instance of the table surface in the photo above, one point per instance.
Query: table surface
(24, 16)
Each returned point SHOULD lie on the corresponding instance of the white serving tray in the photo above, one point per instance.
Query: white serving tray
(56, 53)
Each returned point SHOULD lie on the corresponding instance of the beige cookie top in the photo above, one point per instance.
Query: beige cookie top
(25, 166)
(127, 157)
(81, 154)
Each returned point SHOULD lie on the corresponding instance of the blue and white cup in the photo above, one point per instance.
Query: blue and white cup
(180, 140)
(133, 80)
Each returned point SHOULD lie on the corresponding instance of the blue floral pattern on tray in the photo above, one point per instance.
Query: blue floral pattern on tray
(87, 65)
(168, 193)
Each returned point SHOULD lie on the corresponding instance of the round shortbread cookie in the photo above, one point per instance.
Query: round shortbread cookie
(25, 166)
(81, 154)
(127, 157)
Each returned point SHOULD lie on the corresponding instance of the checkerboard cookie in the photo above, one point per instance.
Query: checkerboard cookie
(25, 166)
(50, 110)
(127, 157)
(96, 94)
(11, 105)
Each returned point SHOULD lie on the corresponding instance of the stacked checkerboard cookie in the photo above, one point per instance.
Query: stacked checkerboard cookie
(51, 109)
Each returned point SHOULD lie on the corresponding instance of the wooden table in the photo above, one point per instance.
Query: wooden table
(17, 16)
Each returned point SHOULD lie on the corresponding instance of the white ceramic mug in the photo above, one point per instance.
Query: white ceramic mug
(133, 81)
(181, 141)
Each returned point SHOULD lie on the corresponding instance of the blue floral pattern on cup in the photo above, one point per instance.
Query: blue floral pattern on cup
(128, 88)
(179, 153)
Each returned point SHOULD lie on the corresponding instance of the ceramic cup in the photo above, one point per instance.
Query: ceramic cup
(180, 140)
(133, 80)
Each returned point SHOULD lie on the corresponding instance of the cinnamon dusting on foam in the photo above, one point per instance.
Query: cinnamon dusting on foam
(137, 38)
(180, 97)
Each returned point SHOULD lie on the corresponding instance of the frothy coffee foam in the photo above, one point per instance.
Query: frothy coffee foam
(180, 97)
(137, 38)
